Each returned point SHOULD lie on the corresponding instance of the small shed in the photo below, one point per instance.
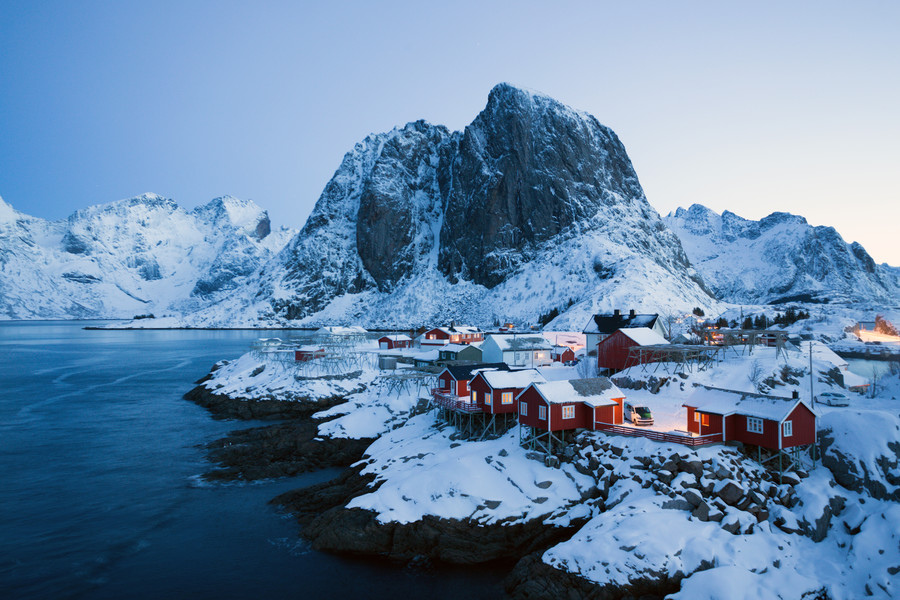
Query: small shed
(307, 353)
(562, 354)
(470, 352)
(398, 340)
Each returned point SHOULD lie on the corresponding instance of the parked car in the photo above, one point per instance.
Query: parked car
(638, 415)
(571, 363)
(833, 399)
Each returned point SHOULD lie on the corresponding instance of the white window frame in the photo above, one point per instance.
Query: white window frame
(504, 396)
(523, 408)
(696, 417)
(542, 413)
(568, 411)
(754, 425)
(787, 429)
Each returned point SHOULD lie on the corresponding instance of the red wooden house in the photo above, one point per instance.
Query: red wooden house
(562, 354)
(773, 423)
(453, 391)
(390, 342)
(495, 391)
(613, 351)
(454, 334)
(573, 404)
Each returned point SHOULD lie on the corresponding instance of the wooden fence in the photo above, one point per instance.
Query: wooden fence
(660, 436)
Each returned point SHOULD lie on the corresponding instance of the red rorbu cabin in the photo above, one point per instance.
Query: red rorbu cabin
(390, 342)
(562, 354)
(495, 391)
(573, 404)
(773, 423)
(453, 391)
(307, 353)
(613, 352)
(454, 334)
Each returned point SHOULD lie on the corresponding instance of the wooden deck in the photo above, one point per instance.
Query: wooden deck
(660, 436)
(450, 401)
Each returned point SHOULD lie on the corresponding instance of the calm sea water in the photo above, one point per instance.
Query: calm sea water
(99, 488)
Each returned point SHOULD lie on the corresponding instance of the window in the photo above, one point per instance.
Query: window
(754, 425)
(705, 422)
(568, 412)
(506, 398)
(475, 397)
(523, 409)
(787, 428)
(696, 417)
(542, 413)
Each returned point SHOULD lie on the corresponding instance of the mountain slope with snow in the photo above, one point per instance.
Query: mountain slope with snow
(779, 258)
(136, 256)
(533, 207)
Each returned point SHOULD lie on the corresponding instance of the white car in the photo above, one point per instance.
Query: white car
(833, 399)
(638, 415)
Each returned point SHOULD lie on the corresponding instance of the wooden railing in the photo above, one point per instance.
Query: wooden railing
(448, 400)
(661, 436)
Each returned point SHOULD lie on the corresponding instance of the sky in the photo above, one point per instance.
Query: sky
(748, 107)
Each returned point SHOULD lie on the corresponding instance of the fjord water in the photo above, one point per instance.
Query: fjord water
(99, 489)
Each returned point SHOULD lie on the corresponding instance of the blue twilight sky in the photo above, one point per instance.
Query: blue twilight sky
(749, 107)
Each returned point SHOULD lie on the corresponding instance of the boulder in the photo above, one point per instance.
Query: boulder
(730, 492)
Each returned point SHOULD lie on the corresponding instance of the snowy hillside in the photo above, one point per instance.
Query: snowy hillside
(533, 207)
(133, 257)
(779, 258)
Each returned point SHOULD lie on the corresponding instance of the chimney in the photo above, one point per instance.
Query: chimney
(631, 314)
(795, 395)
(616, 313)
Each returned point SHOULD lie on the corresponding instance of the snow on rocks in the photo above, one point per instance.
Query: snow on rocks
(420, 470)
(862, 449)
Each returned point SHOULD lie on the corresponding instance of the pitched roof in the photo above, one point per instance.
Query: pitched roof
(454, 329)
(644, 336)
(595, 391)
(467, 372)
(723, 403)
(399, 337)
(512, 379)
(521, 343)
(608, 324)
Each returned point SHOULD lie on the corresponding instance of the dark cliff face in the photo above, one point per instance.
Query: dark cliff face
(420, 206)
(526, 170)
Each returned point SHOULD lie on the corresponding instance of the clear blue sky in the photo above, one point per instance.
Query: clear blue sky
(750, 107)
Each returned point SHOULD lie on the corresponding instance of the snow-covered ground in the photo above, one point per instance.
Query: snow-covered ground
(835, 531)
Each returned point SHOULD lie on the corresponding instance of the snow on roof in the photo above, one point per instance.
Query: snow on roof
(521, 343)
(399, 337)
(644, 336)
(310, 348)
(727, 403)
(608, 324)
(456, 347)
(596, 391)
(512, 379)
(455, 329)
(467, 372)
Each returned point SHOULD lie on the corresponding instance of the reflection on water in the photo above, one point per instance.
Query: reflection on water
(99, 456)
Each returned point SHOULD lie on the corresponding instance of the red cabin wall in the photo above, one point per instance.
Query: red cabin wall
(767, 439)
(584, 417)
(533, 400)
(498, 406)
(459, 388)
(478, 384)
(606, 414)
(715, 424)
(692, 425)
(612, 352)
(804, 426)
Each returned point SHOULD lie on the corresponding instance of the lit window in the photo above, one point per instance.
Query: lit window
(705, 421)
(696, 417)
(523, 409)
(787, 429)
(542, 413)
(506, 398)
(754, 425)
(475, 397)
(568, 412)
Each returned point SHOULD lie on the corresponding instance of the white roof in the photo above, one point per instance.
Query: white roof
(399, 337)
(644, 336)
(727, 403)
(512, 379)
(454, 347)
(822, 352)
(427, 355)
(457, 329)
(521, 343)
(596, 391)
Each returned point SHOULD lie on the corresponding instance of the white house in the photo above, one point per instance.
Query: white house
(517, 350)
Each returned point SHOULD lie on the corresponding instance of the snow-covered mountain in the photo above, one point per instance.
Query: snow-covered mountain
(533, 207)
(136, 256)
(779, 258)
